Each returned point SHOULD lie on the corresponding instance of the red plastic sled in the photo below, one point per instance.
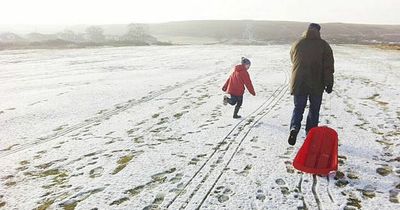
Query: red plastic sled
(319, 153)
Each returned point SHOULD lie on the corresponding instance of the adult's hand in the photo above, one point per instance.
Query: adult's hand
(328, 89)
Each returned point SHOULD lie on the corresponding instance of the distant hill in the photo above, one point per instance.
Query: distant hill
(246, 32)
(251, 31)
(276, 31)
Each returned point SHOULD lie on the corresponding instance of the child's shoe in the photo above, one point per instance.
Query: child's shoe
(236, 116)
(225, 101)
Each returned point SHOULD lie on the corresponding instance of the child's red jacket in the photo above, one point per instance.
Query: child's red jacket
(235, 85)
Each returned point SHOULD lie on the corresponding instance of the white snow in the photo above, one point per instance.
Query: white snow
(144, 127)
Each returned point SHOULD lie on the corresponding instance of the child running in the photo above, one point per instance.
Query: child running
(235, 86)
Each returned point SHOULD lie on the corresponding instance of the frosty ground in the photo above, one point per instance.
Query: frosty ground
(145, 128)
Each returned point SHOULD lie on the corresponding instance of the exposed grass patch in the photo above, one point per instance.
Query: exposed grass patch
(354, 202)
(119, 201)
(135, 191)
(160, 177)
(130, 131)
(179, 115)
(7, 177)
(24, 162)
(382, 103)
(90, 154)
(50, 172)
(10, 183)
(44, 165)
(122, 163)
(159, 129)
(60, 178)
(2, 204)
(194, 161)
(384, 171)
(59, 128)
(373, 97)
(8, 148)
(138, 139)
(388, 46)
(70, 206)
(163, 120)
(201, 155)
(45, 205)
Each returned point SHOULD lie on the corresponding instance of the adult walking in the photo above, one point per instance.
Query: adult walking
(312, 73)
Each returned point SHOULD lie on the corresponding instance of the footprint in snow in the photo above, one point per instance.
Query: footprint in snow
(96, 172)
(222, 193)
(260, 195)
(289, 167)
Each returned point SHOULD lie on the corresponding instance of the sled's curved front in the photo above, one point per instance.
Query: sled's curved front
(319, 153)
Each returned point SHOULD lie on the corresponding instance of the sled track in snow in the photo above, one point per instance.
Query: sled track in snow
(314, 190)
(119, 108)
(206, 170)
(299, 187)
(316, 194)
(329, 190)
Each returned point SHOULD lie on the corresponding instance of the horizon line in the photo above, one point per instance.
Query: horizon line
(193, 20)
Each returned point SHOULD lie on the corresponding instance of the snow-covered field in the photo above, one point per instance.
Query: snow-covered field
(145, 128)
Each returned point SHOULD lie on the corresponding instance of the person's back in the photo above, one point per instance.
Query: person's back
(312, 60)
(312, 73)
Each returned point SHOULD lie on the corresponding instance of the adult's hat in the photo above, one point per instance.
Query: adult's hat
(245, 61)
(314, 26)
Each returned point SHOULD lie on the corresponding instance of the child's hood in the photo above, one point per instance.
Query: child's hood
(240, 67)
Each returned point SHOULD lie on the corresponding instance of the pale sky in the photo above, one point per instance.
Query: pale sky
(150, 11)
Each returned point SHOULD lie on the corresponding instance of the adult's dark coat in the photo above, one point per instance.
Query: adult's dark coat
(313, 65)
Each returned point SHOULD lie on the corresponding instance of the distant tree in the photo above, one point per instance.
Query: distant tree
(10, 37)
(95, 34)
(69, 35)
(137, 32)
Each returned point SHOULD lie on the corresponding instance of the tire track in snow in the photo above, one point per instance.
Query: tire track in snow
(240, 143)
(228, 136)
(104, 116)
(262, 110)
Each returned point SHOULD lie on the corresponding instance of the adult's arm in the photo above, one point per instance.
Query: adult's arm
(293, 51)
(328, 65)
